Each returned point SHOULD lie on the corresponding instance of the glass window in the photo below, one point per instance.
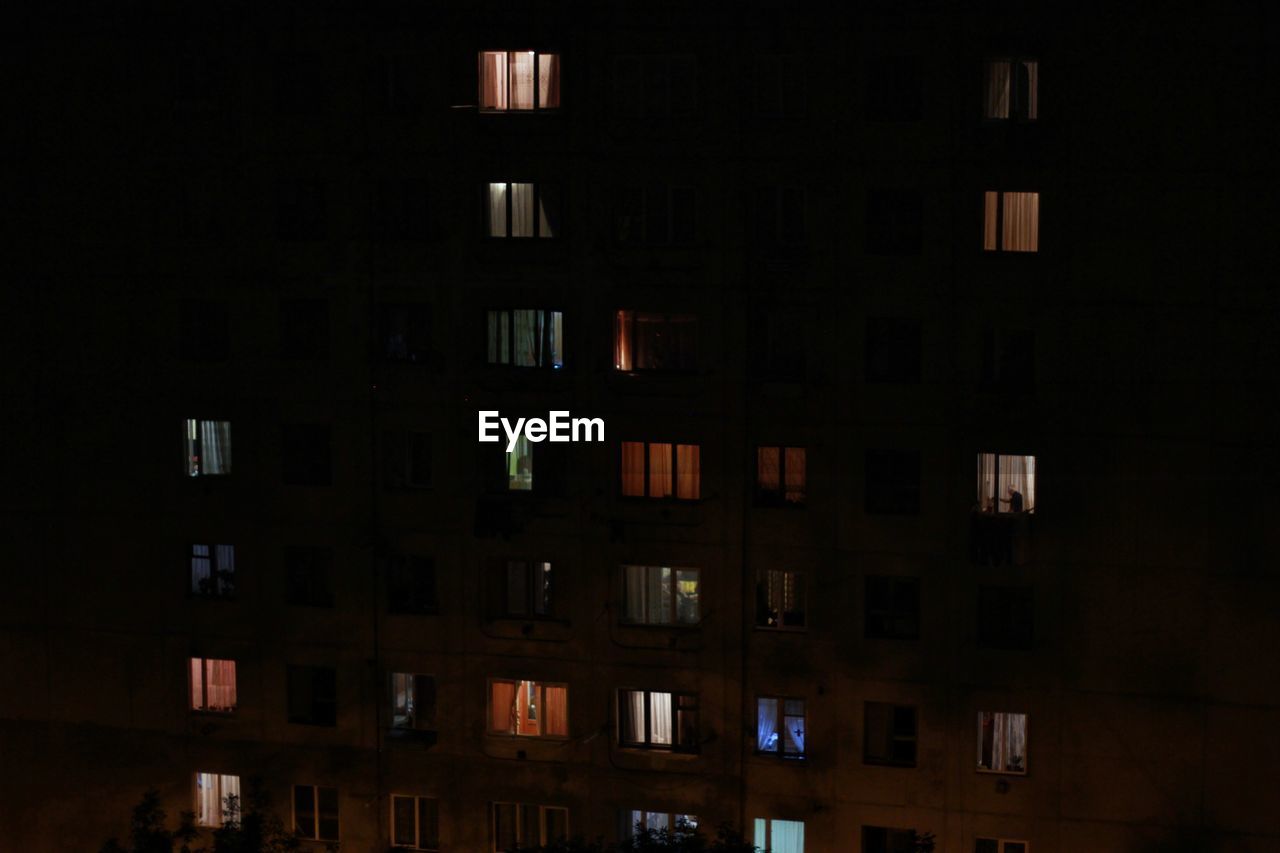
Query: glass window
(780, 600)
(660, 595)
(647, 470)
(522, 210)
(526, 338)
(1002, 742)
(519, 80)
(780, 726)
(415, 822)
(646, 341)
(208, 448)
(658, 720)
(780, 476)
(1011, 222)
(214, 803)
(528, 708)
(1006, 483)
(413, 701)
(779, 836)
(889, 734)
(1012, 89)
(213, 685)
(315, 812)
(213, 571)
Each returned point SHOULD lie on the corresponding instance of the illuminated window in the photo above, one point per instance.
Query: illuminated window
(780, 726)
(415, 822)
(312, 695)
(526, 338)
(779, 836)
(889, 734)
(413, 701)
(656, 215)
(213, 685)
(1006, 483)
(214, 805)
(645, 341)
(660, 595)
(406, 459)
(780, 600)
(522, 210)
(528, 708)
(213, 571)
(520, 466)
(884, 839)
(519, 80)
(1011, 222)
(634, 821)
(661, 470)
(650, 719)
(1011, 89)
(315, 812)
(411, 585)
(655, 86)
(1005, 617)
(892, 608)
(525, 590)
(404, 332)
(780, 476)
(1002, 742)
(524, 825)
(1000, 845)
(208, 448)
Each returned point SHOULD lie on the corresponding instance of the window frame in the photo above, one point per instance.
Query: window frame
(401, 446)
(674, 596)
(677, 698)
(630, 320)
(652, 198)
(318, 720)
(541, 687)
(780, 721)
(627, 828)
(317, 814)
(763, 589)
(406, 571)
(535, 577)
(766, 843)
(1029, 501)
(537, 107)
(223, 813)
(675, 473)
(518, 811)
(1018, 109)
(539, 188)
(204, 687)
(417, 844)
(304, 565)
(223, 581)
(1026, 737)
(775, 498)
(890, 614)
(421, 721)
(892, 737)
(193, 446)
(496, 319)
(998, 247)
(1002, 843)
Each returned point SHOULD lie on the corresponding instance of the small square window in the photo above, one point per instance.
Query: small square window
(308, 570)
(315, 812)
(651, 719)
(892, 482)
(522, 589)
(300, 210)
(889, 734)
(519, 80)
(779, 836)
(406, 459)
(1005, 617)
(411, 586)
(1006, 483)
(208, 445)
(780, 726)
(413, 701)
(404, 332)
(214, 804)
(894, 347)
(1012, 90)
(213, 571)
(895, 222)
(781, 476)
(892, 608)
(655, 215)
(514, 210)
(213, 685)
(1002, 742)
(780, 600)
(313, 695)
(401, 213)
(893, 89)
(1011, 221)
(525, 338)
(415, 822)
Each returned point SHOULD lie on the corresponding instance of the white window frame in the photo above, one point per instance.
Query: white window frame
(315, 800)
(417, 822)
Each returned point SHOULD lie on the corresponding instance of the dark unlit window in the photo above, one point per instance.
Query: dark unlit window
(1006, 482)
(889, 734)
(413, 701)
(406, 459)
(1005, 617)
(656, 215)
(892, 482)
(203, 330)
(315, 812)
(655, 86)
(415, 822)
(780, 726)
(528, 708)
(313, 695)
(892, 608)
(404, 332)
(781, 478)
(651, 341)
(411, 585)
(780, 600)
(893, 350)
(308, 571)
(306, 455)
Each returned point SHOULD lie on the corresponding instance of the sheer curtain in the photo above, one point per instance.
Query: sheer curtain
(197, 684)
(689, 457)
(660, 718)
(1031, 71)
(633, 716)
(521, 80)
(633, 468)
(990, 218)
(793, 726)
(622, 341)
(522, 210)
(212, 791)
(201, 569)
(1021, 232)
(222, 685)
(1009, 742)
(225, 564)
(493, 80)
(497, 210)
(215, 440)
(499, 347)
(528, 328)
(555, 710)
(549, 81)
(767, 725)
(787, 836)
(987, 482)
(659, 470)
(1019, 472)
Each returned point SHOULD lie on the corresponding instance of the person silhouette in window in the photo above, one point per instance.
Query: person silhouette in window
(1014, 500)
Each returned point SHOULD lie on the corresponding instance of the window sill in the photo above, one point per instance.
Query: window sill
(510, 738)
(783, 629)
(664, 751)
(989, 772)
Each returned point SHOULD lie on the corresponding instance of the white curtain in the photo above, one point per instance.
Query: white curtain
(521, 210)
(660, 718)
(1009, 742)
(787, 836)
(208, 447)
(633, 728)
(521, 80)
(767, 725)
(221, 691)
(997, 89)
(793, 726)
(987, 482)
(549, 81)
(212, 791)
(1021, 230)
(497, 210)
(1019, 473)
(528, 335)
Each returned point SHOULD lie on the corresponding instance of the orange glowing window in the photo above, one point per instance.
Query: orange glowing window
(661, 470)
(528, 708)
(213, 685)
(519, 80)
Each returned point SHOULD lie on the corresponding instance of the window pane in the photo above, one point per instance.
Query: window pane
(428, 823)
(557, 821)
(633, 468)
(795, 475)
(493, 80)
(768, 468)
(504, 826)
(989, 218)
(328, 823)
(497, 210)
(660, 718)
(549, 81)
(689, 484)
(687, 589)
(767, 725)
(521, 64)
(521, 210)
(403, 821)
(517, 588)
(520, 466)
(660, 485)
(1021, 229)
(996, 102)
(304, 811)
